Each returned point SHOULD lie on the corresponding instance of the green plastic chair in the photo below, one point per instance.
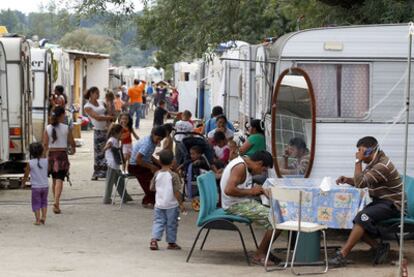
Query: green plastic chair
(392, 225)
(212, 218)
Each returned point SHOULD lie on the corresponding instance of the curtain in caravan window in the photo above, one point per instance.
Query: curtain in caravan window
(324, 82)
(354, 90)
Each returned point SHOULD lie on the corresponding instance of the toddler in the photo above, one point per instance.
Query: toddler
(184, 125)
(221, 149)
(168, 202)
(125, 120)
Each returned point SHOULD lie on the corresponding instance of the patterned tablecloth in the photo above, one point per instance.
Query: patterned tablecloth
(335, 208)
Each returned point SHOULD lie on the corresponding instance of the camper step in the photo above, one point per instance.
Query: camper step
(11, 181)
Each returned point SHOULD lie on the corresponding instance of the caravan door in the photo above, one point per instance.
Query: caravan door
(4, 117)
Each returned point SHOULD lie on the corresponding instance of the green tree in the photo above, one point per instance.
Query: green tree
(83, 39)
(14, 21)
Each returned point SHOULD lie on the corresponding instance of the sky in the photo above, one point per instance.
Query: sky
(27, 6)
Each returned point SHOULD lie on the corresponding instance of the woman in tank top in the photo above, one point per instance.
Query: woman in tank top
(96, 111)
(56, 139)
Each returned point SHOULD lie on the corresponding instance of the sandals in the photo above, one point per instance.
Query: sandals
(56, 209)
(173, 246)
(43, 221)
(261, 261)
(154, 245)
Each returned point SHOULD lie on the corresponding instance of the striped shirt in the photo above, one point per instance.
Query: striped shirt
(382, 180)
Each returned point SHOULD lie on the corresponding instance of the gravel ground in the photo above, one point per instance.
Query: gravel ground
(92, 239)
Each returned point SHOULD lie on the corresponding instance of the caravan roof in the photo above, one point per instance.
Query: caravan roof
(350, 42)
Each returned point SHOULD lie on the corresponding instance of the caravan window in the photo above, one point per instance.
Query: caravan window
(341, 90)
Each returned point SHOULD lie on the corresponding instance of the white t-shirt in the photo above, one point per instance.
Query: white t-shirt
(164, 192)
(62, 131)
(229, 134)
(226, 200)
(100, 110)
(184, 127)
(109, 156)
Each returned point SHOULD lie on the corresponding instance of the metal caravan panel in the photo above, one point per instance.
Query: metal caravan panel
(352, 42)
(214, 82)
(19, 81)
(4, 104)
(97, 74)
(244, 97)
(232, 81)
(263, 82)
(187, 83)
(41, 61)
(248, 105)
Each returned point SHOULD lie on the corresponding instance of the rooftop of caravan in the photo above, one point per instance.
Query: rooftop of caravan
(349, 42)
(87, 54)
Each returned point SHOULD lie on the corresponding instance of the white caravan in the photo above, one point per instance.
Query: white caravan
(358, 74)
(187, 82)
(4, 115)
(19, 80)
(41, 61)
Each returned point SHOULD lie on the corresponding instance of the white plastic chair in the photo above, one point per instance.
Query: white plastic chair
(291, 195)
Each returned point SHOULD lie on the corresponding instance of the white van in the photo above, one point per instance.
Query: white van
(4, 115)
(41, 61)
(19, 80)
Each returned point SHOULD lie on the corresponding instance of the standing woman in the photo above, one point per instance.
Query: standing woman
(95, 109)
(56, 139)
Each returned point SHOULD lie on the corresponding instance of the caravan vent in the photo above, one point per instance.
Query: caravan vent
(333, 46)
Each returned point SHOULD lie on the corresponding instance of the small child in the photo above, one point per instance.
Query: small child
(125, 121)
(221, 149)
(118, 103)
(161, 113)
(197, 166)
(168, 202)
(38, 170)
(109, 104)
(234, 150)
(184, 125)
(114, 160)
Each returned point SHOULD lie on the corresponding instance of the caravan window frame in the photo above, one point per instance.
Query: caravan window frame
(370, 88)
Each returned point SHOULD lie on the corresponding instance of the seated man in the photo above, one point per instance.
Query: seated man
(237, 195)
(385, 187)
